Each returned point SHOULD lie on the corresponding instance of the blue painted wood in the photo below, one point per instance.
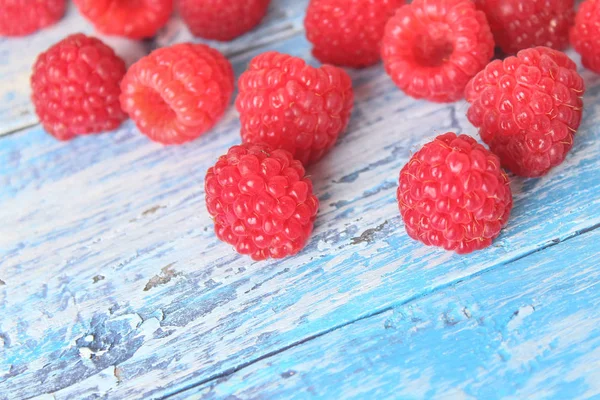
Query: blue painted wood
(526, 330)
(113, 284)
(17, 55)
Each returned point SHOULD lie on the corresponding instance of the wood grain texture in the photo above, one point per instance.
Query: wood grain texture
(526, 330)
(17, 55)
(114, 283)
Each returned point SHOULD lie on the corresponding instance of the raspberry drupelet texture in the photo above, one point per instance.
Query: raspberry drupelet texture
(432, 48)
(585, 35)
(453, 194)
(221, 19)
(22, 17)
(135, 19)
(285, 103)
(521, 24)
(528, 108)
(177, 93)
(75, 87)
(348, 33)
(260, 201)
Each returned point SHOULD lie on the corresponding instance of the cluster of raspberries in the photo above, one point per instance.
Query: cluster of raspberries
(139, 19)
(453, 193)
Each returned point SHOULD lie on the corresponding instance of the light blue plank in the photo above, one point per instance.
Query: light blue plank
(527, 330)
(17, 55)
(113, 244)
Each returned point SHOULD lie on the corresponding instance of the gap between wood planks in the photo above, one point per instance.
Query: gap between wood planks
(17, 130)
(288, 31)
(375, 313)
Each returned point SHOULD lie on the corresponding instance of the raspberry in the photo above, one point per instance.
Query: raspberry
(528, 108)
(348, 32)
(177, 93)
(75, 87)
(287, 104)
(521, 24)
(221, 19)
(585, 35)
(22, 17)
(135, 19)
(261, 202)
(453, 194)
(431, 48)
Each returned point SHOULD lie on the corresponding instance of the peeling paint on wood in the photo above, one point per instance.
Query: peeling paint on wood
(166, 274)
(152, 210)
(526, 330)
(368, 236)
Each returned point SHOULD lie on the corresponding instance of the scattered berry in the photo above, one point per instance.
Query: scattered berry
(348, 32)
(261, 202)
(22, 17)
(528, 108)
(177, 93)
(136, 19)
(453, 194)
(585, 35)
(521, 24)
(432, 48)
(285, 103)
(221, 20)
(75, 87)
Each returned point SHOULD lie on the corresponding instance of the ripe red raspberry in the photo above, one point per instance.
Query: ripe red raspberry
(431, 48)
(22, 17)
(453, 194)
(261, 202)
(75, 87)
(521, 24)
(221, 19)
(585, 35)
(528, 108)
(285, 103)
(135, 19)
(177, 93)
(348, 32)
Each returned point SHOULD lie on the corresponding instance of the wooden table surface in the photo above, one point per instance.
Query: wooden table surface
(113, 284)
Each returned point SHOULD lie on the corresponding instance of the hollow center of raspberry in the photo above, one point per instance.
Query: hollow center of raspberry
(155, 110)
(432, 50)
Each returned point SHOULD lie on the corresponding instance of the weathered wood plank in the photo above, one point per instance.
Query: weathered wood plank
(111, 263)
(530, 329)
(17, 55)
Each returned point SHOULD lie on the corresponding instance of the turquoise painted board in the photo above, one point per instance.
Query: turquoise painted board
(526, 330)
(113, 284)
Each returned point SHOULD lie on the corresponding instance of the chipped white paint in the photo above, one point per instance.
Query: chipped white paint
(520, 315)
